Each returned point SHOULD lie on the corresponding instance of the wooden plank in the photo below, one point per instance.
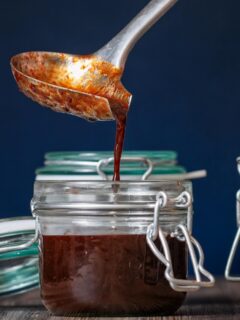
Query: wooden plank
(221, 302)
(31, 314)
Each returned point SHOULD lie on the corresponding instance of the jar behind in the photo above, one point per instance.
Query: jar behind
(95, 165)
(233, 251)
(113, 249)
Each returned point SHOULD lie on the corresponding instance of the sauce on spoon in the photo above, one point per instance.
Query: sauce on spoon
(84, 86)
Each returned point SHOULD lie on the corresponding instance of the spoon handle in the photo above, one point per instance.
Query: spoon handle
(117, 50)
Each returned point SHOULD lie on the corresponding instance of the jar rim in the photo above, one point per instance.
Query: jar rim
(96, 155)
(122, 182)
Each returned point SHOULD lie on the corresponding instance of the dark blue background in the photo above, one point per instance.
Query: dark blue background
(184, 75)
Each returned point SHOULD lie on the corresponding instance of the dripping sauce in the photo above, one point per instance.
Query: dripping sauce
(118, 148)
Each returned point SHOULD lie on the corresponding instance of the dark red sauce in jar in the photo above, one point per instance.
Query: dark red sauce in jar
(108, 275)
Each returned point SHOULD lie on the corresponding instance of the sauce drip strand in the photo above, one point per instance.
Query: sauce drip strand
(118, 148)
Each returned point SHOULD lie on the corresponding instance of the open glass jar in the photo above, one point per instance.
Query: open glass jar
(116, 248)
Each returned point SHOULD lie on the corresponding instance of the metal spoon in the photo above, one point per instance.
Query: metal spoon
(86, 86)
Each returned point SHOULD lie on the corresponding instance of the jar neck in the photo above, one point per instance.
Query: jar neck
(104, 199)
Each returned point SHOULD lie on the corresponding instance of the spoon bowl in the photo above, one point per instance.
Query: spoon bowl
(85, 86)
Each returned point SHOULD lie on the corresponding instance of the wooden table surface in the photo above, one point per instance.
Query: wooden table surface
(220, 302)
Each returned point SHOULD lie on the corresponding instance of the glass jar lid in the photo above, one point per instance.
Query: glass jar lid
(134, 163)
(19, 268)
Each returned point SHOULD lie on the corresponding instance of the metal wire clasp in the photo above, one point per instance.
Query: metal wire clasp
(181, 232)
(234, 245)
(105, 162)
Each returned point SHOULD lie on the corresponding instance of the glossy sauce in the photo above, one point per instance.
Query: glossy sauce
(118, 148)
(108, 275)
(95, 85)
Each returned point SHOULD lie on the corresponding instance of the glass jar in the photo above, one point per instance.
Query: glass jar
(18, 268)
(236, 240)
(135, 165)
(116, 248)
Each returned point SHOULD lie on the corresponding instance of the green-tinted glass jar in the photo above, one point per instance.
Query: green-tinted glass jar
(18, 268)
(135, 165)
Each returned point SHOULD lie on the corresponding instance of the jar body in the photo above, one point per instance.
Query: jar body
(94, 256)
(107, 273)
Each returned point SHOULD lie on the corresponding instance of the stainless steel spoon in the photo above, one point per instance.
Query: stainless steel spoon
(86, 86)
